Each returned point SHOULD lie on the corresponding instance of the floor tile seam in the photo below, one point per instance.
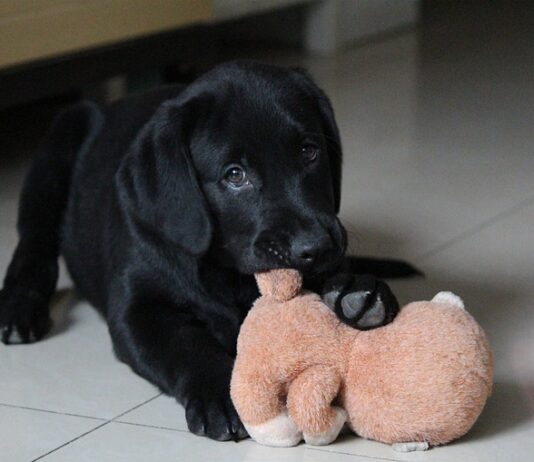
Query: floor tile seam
(98, 427)
(333, 451)
(61, 446)
(147, 425)
(475, 229)
(50, 411)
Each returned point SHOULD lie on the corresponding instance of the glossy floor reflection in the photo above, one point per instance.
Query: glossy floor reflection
(439, 170)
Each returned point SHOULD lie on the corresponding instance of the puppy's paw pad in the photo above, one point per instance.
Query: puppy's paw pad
(363, 302)
(354, 303)
(334, 287)
(375, 316)
(366, 310)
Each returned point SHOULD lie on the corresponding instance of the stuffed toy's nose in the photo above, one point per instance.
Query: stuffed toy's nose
(280, 284)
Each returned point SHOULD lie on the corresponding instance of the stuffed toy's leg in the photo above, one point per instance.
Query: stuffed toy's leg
(309, 402)
(257, 401)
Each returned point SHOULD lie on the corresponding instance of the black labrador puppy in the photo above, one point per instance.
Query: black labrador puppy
(166, 204)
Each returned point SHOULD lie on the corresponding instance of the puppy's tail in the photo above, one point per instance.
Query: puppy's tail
(382, 267)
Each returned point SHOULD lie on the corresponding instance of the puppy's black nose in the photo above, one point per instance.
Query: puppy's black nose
(306, 251)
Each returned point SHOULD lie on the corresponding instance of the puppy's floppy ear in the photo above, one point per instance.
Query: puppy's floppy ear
(157, 182)
(331, 131)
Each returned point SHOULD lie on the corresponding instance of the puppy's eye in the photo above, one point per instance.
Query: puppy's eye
(309, 151)
(236, 177)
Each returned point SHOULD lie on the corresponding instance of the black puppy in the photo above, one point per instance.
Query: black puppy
(165, 205)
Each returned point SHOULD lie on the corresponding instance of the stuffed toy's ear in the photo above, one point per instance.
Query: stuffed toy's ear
(280, 284)
(330, 129)
(157, 182)
(450, 299)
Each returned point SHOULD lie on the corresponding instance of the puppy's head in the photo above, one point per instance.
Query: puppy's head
(252, 170)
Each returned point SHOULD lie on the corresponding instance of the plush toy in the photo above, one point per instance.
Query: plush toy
(301, 374)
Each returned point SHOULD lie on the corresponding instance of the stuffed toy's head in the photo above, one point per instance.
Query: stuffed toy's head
(301, 374)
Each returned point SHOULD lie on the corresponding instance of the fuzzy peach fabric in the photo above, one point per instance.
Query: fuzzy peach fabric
(425, 377)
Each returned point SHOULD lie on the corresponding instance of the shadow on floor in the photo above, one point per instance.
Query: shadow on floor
(60, 310)
(506, 409)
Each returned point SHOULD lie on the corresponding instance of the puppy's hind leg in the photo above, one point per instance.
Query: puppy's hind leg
(32, 274)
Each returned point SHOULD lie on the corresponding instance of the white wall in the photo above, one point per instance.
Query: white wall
(361, 18)
(330, 24)
(323, 26)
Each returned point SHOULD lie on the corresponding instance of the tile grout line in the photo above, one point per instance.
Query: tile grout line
(71, 441)
(351, 454)
(49, 411)
(476, 228)
(159, 427)
(95, 428)
(136, 407)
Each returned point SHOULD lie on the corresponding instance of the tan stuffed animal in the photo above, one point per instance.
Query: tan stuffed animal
(301, 374)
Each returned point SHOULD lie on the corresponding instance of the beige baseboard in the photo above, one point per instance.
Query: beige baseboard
(32, 30)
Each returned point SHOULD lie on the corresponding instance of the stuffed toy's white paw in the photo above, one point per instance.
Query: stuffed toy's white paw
(322, 439)
(411, 447)
(280, 432)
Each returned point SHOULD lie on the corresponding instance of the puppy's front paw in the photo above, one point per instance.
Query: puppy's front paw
(363, 302)
(214, 417)
(23, 314)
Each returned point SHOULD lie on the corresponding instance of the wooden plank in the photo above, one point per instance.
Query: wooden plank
(68, 26)
(17, 7)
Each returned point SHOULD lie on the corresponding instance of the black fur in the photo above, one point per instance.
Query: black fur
(136, 198)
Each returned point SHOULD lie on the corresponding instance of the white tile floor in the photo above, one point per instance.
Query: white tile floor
(439, 169)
